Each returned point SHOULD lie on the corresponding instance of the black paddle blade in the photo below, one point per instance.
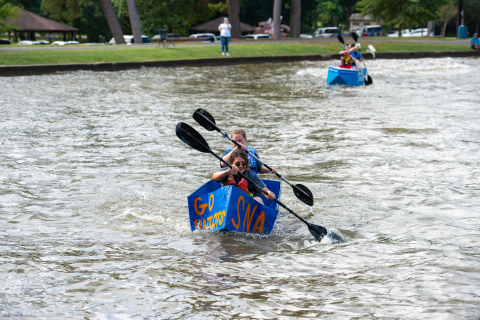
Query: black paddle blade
(368, 80)
(191, 137)
(317, 232)
(200, 116)
(340, 38)
(355, 36)
(306, 196)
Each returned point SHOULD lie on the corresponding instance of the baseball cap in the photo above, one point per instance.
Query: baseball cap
(226, 19)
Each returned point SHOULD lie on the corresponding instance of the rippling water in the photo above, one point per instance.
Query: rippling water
(94, 219)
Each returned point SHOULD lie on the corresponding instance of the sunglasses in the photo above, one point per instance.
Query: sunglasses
(240, 164)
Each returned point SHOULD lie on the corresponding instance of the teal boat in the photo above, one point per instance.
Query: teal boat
(212, 207)
(348, 77)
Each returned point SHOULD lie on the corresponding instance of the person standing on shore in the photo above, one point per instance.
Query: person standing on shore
(475, 42)
(225, 34)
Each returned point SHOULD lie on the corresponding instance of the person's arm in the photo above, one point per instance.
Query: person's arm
(223, 173)
(220, 28)
(229, 26)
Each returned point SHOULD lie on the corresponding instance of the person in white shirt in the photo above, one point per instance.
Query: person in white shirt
(225, 34)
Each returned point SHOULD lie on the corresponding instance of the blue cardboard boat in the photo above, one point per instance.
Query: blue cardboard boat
(212, 207)
(347, 77)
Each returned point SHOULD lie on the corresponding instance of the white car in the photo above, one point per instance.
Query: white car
(306, 36)
(422, 32)
(30, 42)
(395, 33)
(129, 39)
(257, 36)
(206, 37)
(327, 32)
(62, 43)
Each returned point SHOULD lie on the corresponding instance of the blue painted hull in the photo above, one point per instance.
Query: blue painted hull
(212, 207)
(348, 77)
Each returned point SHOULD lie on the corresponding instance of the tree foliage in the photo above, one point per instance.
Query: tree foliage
(7, 10)
(86, 15)
(446, 13)
(175, 15)
(401, 12)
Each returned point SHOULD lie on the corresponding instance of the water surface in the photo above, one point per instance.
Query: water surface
(93, 211)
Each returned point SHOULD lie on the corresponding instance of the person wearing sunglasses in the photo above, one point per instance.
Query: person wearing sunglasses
(229, 176)
(240, 136)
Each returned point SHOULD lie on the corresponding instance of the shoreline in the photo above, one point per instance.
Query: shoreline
(30, 70)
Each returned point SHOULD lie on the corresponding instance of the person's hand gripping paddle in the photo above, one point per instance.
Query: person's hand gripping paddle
(207, 121)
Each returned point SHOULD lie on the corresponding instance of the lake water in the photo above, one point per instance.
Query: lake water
(94, 185)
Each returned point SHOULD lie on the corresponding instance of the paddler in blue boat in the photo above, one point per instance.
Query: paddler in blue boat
(240, 136)
(229, 176)
(350, 56)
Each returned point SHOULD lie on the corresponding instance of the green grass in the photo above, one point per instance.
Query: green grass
(119, 54)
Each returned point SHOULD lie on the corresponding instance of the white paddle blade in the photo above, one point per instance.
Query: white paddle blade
(372, 49)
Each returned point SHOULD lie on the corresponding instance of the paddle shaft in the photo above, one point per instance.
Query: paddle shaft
(225, 135)
(253, 183)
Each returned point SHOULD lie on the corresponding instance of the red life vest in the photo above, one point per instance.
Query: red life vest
(243, 184)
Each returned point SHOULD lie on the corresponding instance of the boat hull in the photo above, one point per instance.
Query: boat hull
(348, 77)
(212, 207)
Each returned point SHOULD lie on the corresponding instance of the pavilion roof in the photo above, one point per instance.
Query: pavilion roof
(30, 21)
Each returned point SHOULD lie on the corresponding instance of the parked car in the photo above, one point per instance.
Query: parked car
(374, 31)
(5, 41)
(360, 31)
(257, 36)
(422, 32)
(306, 36)
(327, 32)
(207, 37)
(394, 33)
(130, 40)
(62, 43)
(31, 42)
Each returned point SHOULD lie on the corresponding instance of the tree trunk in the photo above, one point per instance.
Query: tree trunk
(112, 20)
(234, 18)
(399, 30)
(277, 11)
(444, 28)
(134, 21)
(296, 19)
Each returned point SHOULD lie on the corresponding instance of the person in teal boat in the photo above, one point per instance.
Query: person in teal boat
(240, 136)
(229, 176)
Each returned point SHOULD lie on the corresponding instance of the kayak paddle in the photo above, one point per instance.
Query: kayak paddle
(368, 80)
(207, 121)
(191, 137)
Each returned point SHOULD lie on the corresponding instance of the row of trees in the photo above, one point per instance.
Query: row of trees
(105, 18)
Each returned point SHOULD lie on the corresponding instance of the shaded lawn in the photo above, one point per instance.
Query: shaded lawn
(39, 57)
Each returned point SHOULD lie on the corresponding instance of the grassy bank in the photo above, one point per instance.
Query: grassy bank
(123, 54)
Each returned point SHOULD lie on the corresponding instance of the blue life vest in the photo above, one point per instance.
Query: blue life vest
(251, 160)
